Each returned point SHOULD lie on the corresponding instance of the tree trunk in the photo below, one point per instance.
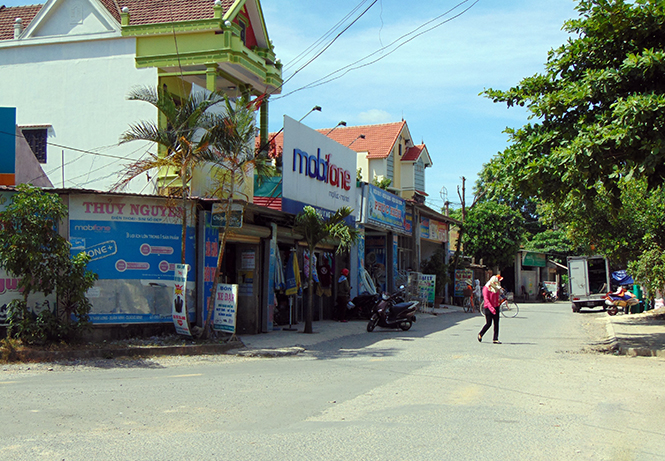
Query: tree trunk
(207, 327)
(310, 293)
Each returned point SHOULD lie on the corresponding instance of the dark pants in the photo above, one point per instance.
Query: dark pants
(342, 302)
(489, 318)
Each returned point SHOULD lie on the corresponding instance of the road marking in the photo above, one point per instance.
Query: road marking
(185, 376)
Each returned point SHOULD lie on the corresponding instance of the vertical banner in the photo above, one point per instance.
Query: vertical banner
(179, 310)
(426, 287)
(226, 304)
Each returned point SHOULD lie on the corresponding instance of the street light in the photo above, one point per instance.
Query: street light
(360, 136)
(315, 108)
(342, 123)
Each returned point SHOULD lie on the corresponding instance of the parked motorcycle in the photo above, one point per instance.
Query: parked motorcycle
(392, 312)
(545, 294)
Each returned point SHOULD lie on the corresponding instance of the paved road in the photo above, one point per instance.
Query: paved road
(428, 394)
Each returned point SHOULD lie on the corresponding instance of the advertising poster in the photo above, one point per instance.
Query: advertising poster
(134, 244)
(386, 209)
(179, 310)
(211, 237)
(426, 287)
(226, 304)
(462, 277)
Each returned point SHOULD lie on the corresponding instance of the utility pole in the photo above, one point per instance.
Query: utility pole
(458, 250)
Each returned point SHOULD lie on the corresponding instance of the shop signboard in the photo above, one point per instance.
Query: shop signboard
(134, 244)
(226, 305)
(218, 217)
(534, 259)
(385, 209)
(317, 171)
(7, 146)
(433, 230)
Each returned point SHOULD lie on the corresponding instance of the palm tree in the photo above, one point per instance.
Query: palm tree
(235, 161)
(316, 230)
(180, 133)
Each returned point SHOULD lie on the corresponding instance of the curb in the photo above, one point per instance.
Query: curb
(52, 356)
(615, 345)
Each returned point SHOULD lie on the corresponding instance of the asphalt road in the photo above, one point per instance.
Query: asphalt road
(432, 393)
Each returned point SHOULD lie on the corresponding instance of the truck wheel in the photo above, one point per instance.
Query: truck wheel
(576, 308)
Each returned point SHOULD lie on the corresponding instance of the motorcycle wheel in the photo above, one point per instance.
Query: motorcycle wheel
(372, 323)
(405, 326)
(612, 310)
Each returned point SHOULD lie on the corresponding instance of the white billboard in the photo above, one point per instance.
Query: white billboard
(317, 171)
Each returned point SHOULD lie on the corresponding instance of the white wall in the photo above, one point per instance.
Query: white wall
(80, 89)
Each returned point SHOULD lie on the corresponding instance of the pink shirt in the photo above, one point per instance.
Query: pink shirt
(491, 299)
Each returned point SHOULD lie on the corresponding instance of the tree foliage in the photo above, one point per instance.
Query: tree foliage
(32, 250)
(494, 233)
(234, 160)
(597, 110)
(315, 230)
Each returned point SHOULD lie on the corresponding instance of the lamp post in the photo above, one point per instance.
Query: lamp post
(342, 123)
(315, 108)
(360, 136)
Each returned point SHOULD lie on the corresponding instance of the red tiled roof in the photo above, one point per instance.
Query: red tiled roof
(160, 11)
(8, 16)
(378, 142)
(140, 12)
(413, 153)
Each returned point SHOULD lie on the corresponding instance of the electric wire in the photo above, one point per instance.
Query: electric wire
(330, 31)
(348, 68)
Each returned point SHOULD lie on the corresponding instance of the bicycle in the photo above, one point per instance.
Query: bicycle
(467, 304)
(509, 309)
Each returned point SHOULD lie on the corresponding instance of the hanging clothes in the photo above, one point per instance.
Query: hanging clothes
(307, 265)
(325, 276)
(280, 282)
(293, 282)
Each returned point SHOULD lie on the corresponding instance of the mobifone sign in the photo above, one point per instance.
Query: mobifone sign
(317, 171)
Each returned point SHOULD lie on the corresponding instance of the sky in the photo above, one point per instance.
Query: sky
(432, 81)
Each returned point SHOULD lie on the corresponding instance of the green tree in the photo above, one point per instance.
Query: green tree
(234, 162)
(180, 134)
(32, 250)
(494, 233)
(316, 230)
(598, 108)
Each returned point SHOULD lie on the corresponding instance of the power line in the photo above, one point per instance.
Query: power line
(348, 68)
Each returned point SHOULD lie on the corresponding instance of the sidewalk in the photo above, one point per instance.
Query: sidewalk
(638, 334)
(282, 342)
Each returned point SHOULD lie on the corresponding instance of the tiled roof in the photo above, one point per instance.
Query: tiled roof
(140, 12)
(160, 11)
(378, 142)
(8, 16)
(413, 153)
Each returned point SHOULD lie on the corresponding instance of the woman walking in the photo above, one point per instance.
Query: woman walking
(492, 293)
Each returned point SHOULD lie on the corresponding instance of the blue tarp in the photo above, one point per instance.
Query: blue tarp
(622, 278)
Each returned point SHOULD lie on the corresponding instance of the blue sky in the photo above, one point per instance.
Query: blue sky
(432, 82)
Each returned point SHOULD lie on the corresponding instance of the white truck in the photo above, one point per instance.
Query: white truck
(588, 281)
